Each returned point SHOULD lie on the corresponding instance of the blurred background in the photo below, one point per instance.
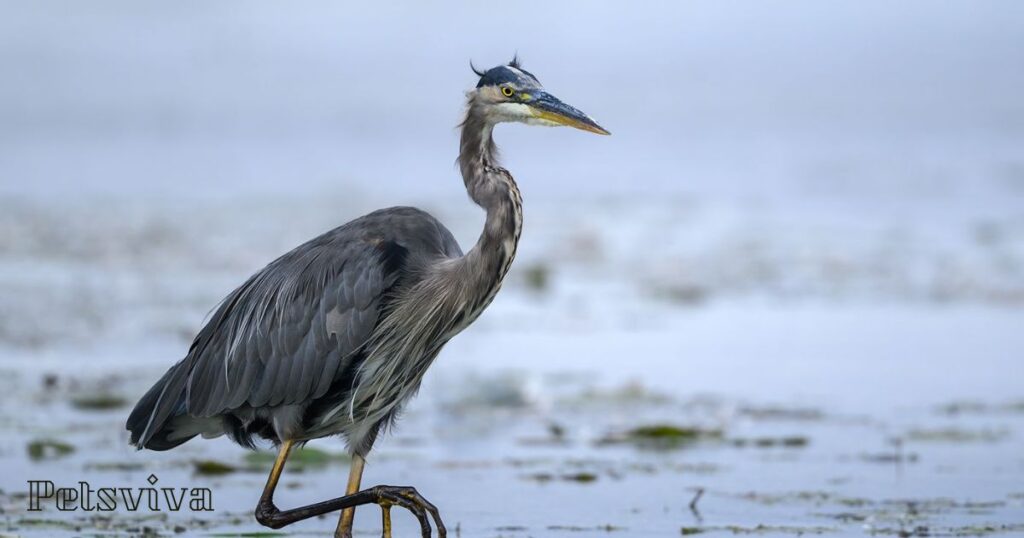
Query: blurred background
(792, 279)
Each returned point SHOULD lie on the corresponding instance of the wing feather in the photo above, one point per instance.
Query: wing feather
(317, 305)
(295, 326)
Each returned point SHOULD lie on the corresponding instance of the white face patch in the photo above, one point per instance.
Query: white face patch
(518, 112)
(512, 112)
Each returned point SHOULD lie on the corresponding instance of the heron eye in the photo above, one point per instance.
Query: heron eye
(506, 91)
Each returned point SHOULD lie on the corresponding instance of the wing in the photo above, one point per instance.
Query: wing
(289, 331)
(283, 335)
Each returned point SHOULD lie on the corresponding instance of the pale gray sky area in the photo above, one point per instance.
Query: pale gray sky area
(202, 99)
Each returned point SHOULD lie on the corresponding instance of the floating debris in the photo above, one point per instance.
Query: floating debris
(31, 522)
(812, 497)
(774, 529)
(973, 407)
(681, 293)
(956, 435)
(966, 530)
(890, 457)
(794, 441)
(631, 393)
(781, 413)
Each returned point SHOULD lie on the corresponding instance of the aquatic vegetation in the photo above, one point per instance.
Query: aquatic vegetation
(99, 402)
(42, 522)
(661, 436)
(47, 449)
(582, 477)
(212, 468)
(537, 277)
(964, 530)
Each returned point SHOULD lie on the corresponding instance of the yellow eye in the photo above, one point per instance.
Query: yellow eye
(506, 91)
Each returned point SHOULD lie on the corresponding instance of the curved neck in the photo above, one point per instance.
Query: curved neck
(493, 189)
(478, 161)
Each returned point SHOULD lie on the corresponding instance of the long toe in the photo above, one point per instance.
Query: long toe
(411, 500)
(415, 497)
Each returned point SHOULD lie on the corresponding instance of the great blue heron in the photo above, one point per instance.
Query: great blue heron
(335, 336)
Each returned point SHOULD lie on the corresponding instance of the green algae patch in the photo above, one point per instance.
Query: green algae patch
(538, 277)
(212, 468)
(99, 402)
(582, 477)
(48, 449)
(662, 436)
(669, 433)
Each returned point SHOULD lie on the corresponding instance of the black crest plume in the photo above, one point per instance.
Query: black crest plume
(514, 63)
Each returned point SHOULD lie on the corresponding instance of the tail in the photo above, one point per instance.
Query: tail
(155, 421)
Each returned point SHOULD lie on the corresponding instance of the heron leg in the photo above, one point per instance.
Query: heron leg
(269, 515)
(355, 475)
(385, 514)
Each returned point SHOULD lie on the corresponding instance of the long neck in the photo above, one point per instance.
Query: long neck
(493, 189)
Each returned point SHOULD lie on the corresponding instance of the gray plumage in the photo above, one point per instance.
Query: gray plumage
(334, 336)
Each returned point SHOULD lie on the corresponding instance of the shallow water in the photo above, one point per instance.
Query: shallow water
(840, 410)
(533, 451)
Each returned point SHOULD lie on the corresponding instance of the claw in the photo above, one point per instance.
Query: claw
(414, 496)
(412, 501)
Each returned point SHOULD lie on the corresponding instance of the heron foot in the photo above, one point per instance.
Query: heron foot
(410, 499)
(269, 515)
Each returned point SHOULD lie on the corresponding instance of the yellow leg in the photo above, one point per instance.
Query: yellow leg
(275, 472)
(355, 476)
(385, 514)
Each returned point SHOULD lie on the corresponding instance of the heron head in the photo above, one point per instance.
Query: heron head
(509, 93)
